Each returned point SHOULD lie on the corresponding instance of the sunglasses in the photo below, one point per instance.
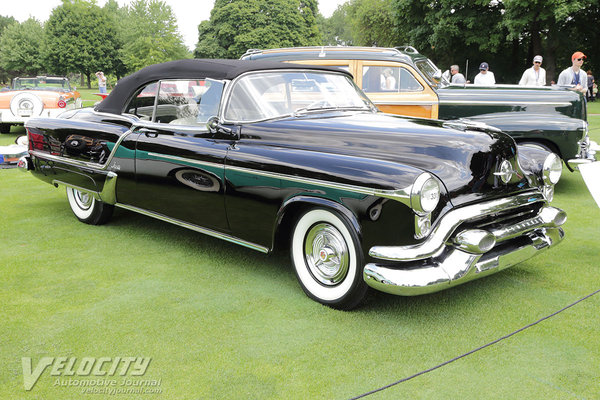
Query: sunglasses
(578, 59)
(537, 62)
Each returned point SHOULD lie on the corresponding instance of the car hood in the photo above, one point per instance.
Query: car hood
(463, 159)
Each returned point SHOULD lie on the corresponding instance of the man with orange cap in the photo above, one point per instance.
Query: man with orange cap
(574, 75)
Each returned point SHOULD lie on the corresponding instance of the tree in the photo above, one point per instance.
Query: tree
(457, 31)
(150, 35)
(237, 25)
(373, 23)
(21, 48)
(81, 38)
(4, 22)
(337, 29)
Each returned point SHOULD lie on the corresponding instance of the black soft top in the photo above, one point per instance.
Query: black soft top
(190, 69)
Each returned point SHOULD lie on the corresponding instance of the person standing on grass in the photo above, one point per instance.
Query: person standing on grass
(101, 82)
(485, 77)
(590, 84)
(534, 76)
(574, 75)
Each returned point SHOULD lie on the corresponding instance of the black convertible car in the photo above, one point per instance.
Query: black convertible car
(264, 154)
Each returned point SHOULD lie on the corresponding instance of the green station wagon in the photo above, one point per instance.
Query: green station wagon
(553, 118)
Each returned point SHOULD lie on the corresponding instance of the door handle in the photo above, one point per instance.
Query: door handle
(151, 133)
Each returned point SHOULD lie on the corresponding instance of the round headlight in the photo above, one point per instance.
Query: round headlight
(425, 194)
(552, 169)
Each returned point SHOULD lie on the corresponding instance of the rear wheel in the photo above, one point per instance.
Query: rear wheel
(87, 209)
(328, 259)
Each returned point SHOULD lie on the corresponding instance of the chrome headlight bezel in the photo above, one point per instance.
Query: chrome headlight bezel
(425, 194)
(552, 169)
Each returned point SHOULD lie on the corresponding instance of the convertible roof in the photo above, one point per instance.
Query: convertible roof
(190, 69)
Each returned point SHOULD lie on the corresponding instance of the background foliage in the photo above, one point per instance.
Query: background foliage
(506, 34)
(238, 25)
(81, 37)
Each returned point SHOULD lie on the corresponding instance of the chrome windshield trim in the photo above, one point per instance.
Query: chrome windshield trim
(448, 223)
(196, 228)
(229, 88)
(402, 195)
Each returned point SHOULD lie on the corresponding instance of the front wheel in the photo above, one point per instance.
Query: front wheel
(328, 259)
(87, 209)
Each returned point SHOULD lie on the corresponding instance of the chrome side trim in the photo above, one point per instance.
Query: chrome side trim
(447, 224)
(92, 193)
(196, 228)
(402, 195)
(504, 103)
(186, 160)
(405, 103)
(84, 164)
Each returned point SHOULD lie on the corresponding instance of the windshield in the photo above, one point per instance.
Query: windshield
(268, 95)
(42, 83)
(431, 72)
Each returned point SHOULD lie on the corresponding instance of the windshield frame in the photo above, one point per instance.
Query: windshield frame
(64, 82)
(369, 106)
(427, 61)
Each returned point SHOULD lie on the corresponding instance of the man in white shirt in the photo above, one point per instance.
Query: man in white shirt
(485, 77)
(534, 76)
(574, 75)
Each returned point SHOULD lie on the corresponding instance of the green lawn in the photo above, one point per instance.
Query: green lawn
(224, 322)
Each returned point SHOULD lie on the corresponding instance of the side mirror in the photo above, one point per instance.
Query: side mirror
(437, 75)
(214, 126)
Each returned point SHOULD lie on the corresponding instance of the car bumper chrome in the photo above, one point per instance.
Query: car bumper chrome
(587, 153)
(24, 164)
(463, 256)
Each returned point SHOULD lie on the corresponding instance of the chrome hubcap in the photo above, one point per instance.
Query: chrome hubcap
(326, 253)
(84, 200)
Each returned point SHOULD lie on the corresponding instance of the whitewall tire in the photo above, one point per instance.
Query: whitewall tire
(328, 259)
(87, 209)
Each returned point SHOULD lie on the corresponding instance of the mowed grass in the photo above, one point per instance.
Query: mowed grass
(224, 322)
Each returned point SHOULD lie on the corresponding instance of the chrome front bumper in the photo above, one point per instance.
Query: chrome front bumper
(587, 153)
(448, 258)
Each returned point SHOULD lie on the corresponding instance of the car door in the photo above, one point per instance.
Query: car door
(179, 163)
(397, 88)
